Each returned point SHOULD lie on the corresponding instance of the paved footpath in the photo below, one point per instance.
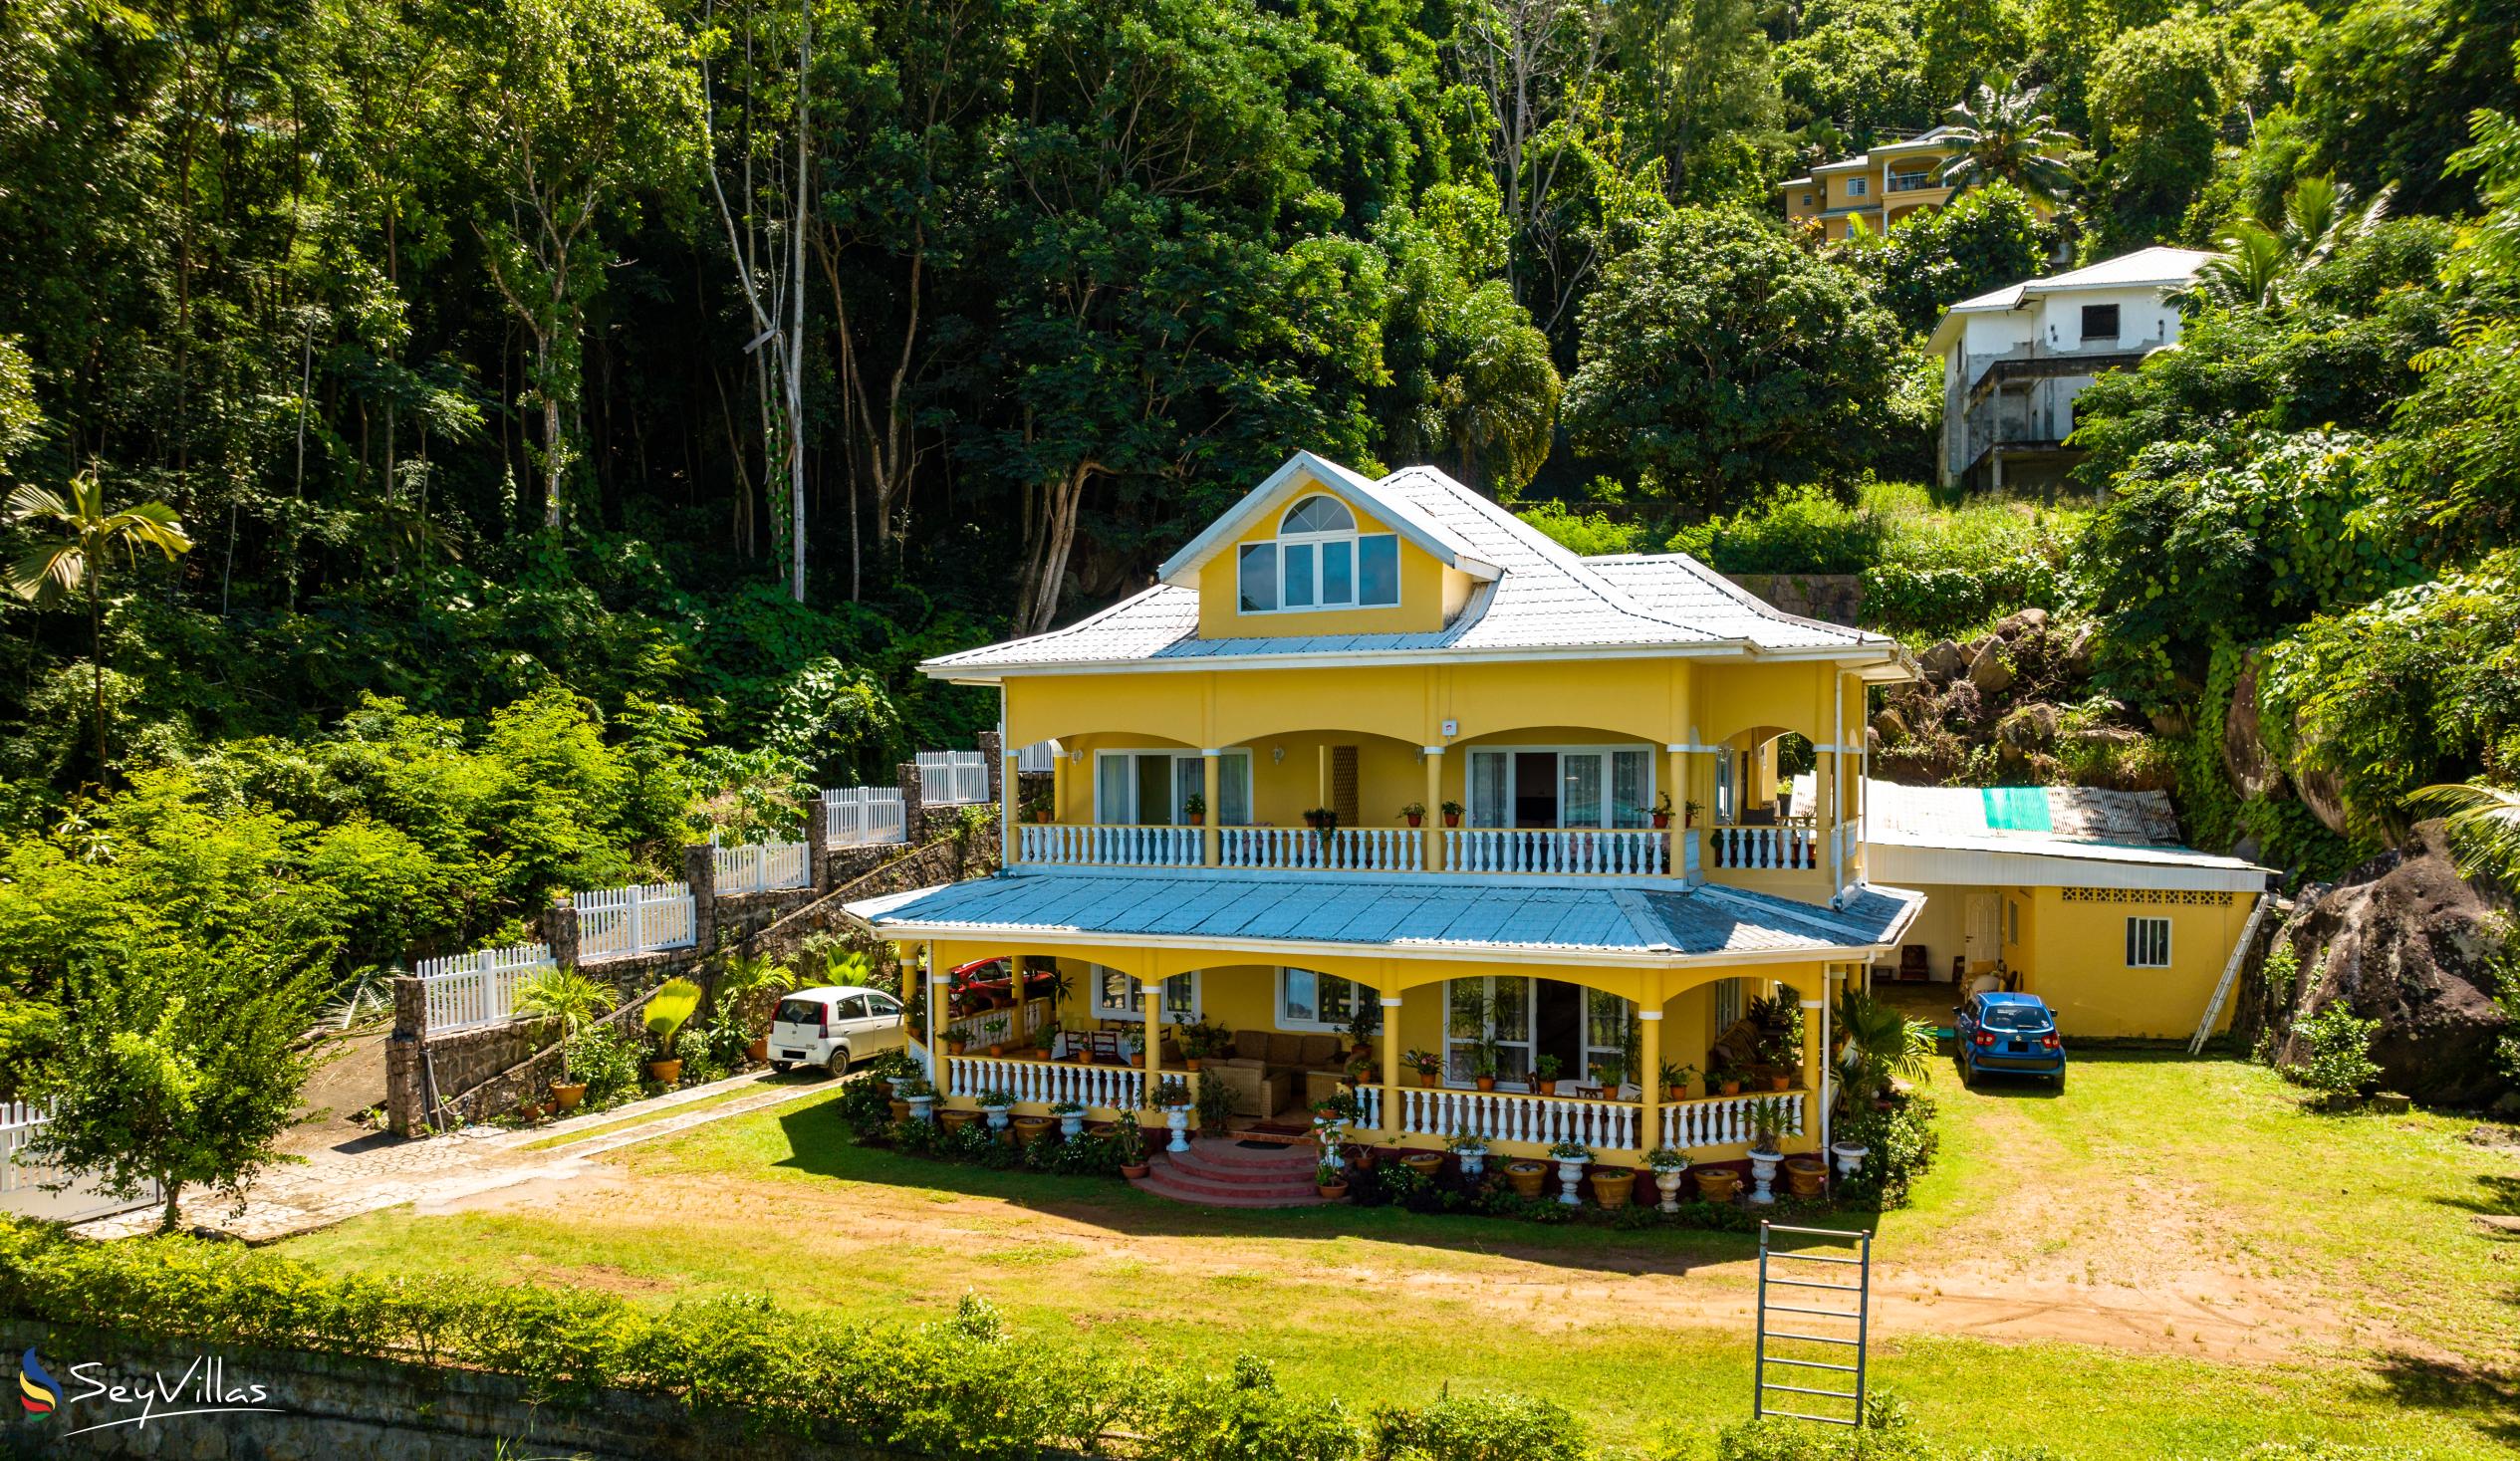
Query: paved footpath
(381, 1171)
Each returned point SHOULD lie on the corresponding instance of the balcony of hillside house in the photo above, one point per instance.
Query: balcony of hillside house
(1517, 1062)
(1338, 803)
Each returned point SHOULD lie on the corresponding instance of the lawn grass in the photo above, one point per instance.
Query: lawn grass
(650, 1113)
(1638, 1330)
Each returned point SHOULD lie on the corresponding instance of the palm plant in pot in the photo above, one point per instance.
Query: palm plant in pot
(747, 987)
(1544, 1073)
(576, 1002)
(1330, 1180)
(1129, 1145)
(668, 1009)
(1677, 1079)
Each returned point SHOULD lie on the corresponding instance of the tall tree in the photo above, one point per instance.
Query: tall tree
(2003, 135)
(76, 535)
(576, 108)
(1702, 89)
(2159, 96)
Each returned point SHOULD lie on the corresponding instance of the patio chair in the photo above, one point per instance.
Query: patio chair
(1913, 967)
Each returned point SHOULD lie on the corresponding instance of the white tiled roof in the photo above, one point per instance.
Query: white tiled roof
(1471, 918)
(2159, 267)
(1544, 598)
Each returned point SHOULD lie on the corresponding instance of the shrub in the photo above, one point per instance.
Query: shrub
(1899, 1142)
(2339, 1041)
(609, 1061)
(1481, 1428)
(1246, 1417)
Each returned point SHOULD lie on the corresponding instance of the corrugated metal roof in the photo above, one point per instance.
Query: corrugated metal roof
(1544, 598)
(1496, 917)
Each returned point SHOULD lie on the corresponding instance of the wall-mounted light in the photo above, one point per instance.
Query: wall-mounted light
(1077, 756)
(1277, 755)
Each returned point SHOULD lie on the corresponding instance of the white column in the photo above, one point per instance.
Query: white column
(935, 1014)
(1006, 763)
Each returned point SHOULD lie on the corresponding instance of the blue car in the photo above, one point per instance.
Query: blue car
(2009, 1033)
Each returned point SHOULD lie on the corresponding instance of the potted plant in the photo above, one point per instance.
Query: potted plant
(1414, 814)
(1613, 1186)
(1662, 810)
(1451, 814)
(1330, 1180)
(1071, 1114)
(1173, 1097)
(954, 1120)
(1313, 817)
(920, 1095)
(1766, 1123)
(576, 1002)
(1195, 1043)
(1850, 1155)
(1609, 1073)
(1677, 1079)
(1132, 1046)
(1427, 1065)
(1571, 1157)
(1129, 1145)
(1667, 1163)
(1360, 1070)
(1544, 1075)
(1688, 812)
(1805, 1175)
(1471, 1153)
(1718, 1184)
(1484, 1057)
(1215, 1106)
(1029, 1129)
(1046, 1039)
(1362, 1021)
(995, 1104)
(1724, 1076)
(668, 1009)
(1525, 1176)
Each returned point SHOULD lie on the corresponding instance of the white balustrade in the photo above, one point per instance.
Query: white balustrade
(642, 918)
(1728, 1120)
(864, 817)
(1766, 846)
(952, 778)
(463, 991)
(1369, 1102)
(762, 867)
(1107, 1087)
(1497, 1116)
(1003, 1026)
(1059, 844)
(1620, 853)
(1340, 849)
(1039, 758)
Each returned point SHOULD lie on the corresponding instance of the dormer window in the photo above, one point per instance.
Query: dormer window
(1320, 560)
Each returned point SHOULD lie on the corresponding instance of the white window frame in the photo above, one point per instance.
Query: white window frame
(2131, 950)
(1181, 793)
(1317, 541)
(1459, 1045)
(1136, 1013)
(1592, 1052)
(1610, 781)
(1724, 1010)
(1858, 187)
(1361, 991)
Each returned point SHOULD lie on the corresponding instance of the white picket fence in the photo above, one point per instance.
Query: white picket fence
(864, 817)
(463, 991)
(952, 778)
(762, 867)
(1038, 758)
(23, 1183)
(640, 919)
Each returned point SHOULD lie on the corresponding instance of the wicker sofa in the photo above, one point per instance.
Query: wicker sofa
(1267, 1067)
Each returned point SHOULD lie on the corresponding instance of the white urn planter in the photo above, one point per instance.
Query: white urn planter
(1570, 1173)
(923, 1109)
(996, 1115)
(1762, 1175)
(1473, 1163)
(1668, 1184)
(1849, 1159)
(1070, 1126)
(1178, 1119)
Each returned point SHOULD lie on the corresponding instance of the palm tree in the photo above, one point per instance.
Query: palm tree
(2003, 135)
(73, 557)
(2485, 827)
(2257, 256)
(2252, 262)
(1881, 1042)
(569, 997)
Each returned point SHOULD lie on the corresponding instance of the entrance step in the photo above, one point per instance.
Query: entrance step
(1221, 1174)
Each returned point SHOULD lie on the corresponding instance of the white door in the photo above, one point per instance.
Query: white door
(1984, 915)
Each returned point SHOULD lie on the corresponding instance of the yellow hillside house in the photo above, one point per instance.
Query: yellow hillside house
(1880, 186)
(1377, 756)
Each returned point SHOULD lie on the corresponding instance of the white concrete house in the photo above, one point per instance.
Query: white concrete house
(2014, 361)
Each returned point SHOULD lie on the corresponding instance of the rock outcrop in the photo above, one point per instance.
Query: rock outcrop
(2404, 941)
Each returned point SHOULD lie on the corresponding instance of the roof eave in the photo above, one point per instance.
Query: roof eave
(1182, 568)
(1871, 650)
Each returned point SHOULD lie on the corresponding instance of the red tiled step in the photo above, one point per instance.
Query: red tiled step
(1218, 1174)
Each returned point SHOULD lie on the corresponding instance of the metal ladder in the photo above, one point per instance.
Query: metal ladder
(1861, 1262)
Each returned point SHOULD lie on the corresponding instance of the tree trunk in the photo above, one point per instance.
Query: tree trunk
(174, 1204)
(95, 662)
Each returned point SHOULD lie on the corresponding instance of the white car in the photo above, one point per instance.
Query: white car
(834, 1025)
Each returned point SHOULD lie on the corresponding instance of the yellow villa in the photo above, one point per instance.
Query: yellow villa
(1879, 187)
(1546, 838)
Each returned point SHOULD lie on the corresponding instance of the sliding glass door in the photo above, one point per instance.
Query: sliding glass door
(1154, 787)
(1550, 786)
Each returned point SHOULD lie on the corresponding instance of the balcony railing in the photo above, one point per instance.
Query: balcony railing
(1497, 1116)
(1781, 848)
(1104, 1087)
(1341, 850)
(1623, 852)
(1108, 847)
(1728, 1120)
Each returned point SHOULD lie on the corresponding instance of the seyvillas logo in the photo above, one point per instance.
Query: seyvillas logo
(37, 1391)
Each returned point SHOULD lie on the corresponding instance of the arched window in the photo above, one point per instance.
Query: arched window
(1320, 560)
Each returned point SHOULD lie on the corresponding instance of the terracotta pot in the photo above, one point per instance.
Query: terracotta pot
(528, 1113)
(1680, 1093)
(1780, 1083)
(1545, 1087)
(1197, 818)
(759, 1049)
(1137, 1172)
(567, 1094)
(1417, 819)
(1137, 1062)
(955, 1120)
(1733, 1087)
(997, 1050)
(1363, 1158)
(1424, 1163)
(1805, 1175)
(1452, 819)
(1717, 1184)
(1662, 819)
(1526, 1176)
(1484, 1083)
(1331, 1191)
(1612, 1186)
(1083, 1057)
(901, 1111)
(1031, 1128)
(1189, 1063)
(665, 1072)
(1432, 1079)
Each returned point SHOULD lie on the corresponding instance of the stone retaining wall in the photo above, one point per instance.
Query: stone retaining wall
(343, 1408)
